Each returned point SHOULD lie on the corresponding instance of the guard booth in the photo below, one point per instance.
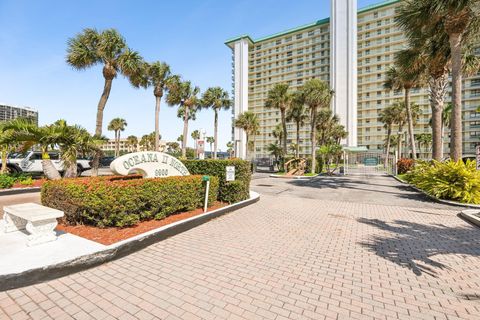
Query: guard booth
(361, 161)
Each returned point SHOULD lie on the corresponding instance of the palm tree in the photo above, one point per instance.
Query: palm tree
(195, 136)
(279, 98)
(132, 143)
(158, 76)
(424, 139)
(230, 148)
(387, 117)
(276, 151)
(217, 99)
(248, 121)
(400, 119)
(211, 140)
(460, 21)
(110, 49)
(47, 137)
(117, 125)
(8, 140)
(277, 133)
(297, 114)
(72, 140)
(184, 95)
(315, 94)
(180, 139)
(402, 77)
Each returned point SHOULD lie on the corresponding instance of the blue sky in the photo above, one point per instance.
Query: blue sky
(188, 35)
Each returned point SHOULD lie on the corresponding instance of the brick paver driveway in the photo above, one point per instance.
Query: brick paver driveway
(351, 248)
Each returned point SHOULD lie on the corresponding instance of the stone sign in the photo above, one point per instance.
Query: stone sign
(151, 164)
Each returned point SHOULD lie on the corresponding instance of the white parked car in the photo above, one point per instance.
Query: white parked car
(31, 162)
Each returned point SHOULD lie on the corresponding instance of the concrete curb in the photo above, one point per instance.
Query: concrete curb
(117, 250)
(9, 192)
(469, 215)
(449, 202)
(293, 177)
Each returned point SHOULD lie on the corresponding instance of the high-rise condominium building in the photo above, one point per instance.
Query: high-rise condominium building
(8, 112)
(299, 54)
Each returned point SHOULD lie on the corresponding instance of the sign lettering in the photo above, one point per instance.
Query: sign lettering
(150, 164)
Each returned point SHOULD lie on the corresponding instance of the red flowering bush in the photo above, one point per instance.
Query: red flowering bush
(125, 201)
(404, 165)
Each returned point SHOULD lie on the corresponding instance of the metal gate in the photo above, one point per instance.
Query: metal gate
(368, 163)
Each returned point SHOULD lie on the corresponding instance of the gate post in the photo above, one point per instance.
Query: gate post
(395, 163)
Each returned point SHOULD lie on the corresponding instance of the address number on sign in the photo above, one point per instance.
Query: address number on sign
(161, 172)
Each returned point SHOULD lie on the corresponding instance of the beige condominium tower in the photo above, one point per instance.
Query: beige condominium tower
(317, 50)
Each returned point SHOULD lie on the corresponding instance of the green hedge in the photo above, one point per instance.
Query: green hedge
(124, 201)
(229, 191)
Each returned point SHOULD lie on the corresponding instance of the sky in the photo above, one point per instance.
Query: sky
(188, 35)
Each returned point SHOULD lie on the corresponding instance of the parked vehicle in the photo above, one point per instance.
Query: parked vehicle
(31, 162)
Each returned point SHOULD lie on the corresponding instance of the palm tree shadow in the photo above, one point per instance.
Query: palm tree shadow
(412, 245)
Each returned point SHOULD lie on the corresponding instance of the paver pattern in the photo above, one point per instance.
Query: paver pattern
(288, 256)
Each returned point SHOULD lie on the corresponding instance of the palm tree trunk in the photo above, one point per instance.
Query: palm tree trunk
(437, 97)
(118, 142)
(99, 123)
(185, 132)
(399, 145)
(71, 170)
(215, 134)
(313, 137)
(51, 173)
(4, 162)
(248, 145)
(456, 122)
(298, 140)
(410, 124)
(284, 127)
(157, 122)
(389, 133)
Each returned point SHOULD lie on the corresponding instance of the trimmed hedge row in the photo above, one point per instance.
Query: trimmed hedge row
(229, 191)
(124, 201)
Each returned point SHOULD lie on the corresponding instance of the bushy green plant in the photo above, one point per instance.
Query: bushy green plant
(6, 181)
(404, 165)
(124, 201)
(228, 191)
(447, 180)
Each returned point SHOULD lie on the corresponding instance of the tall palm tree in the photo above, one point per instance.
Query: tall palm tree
(387, 117)
(211, 141)
(400, 118)
(132, 142)
(195, 136)
(297, 114)
(109, 48)
(460, 20)
(184, 94)
(217, 99)
(279, 98)
(402, 77)
(157, 75)
(276, 151)
(424, 139)
(117, 125)
(248, 121)
(315, 94)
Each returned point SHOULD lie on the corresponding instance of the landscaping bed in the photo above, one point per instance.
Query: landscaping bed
(112, 235)
(19, 181)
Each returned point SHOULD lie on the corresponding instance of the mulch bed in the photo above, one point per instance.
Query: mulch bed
(36, 183)
(112, 235)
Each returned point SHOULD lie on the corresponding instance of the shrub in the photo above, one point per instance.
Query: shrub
(404, 165)
(6, 181)
(448, 180)
(124, 201)
(232, 191)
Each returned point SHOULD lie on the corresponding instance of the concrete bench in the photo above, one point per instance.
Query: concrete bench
(39, 221)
